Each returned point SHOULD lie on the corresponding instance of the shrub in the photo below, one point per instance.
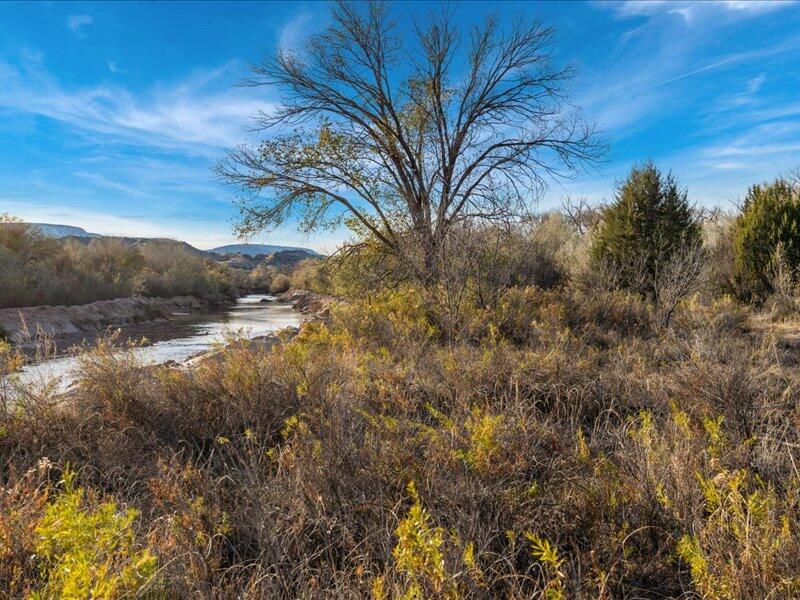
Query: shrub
(358, 270)
(547, 555)
(485, 261)
(36, 270)
(745, 546)
(649, 220)
(22, 505)
(769, 223)
(389, 318)
(718, 233)
(89, 550)
(567, 452)
(311, 274)
(419, 556)
(173, 270)
(113, 263)
(260, 278)
(279, 284)
(525, 314)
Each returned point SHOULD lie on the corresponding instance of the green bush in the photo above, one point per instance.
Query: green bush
(88, 549)
(769, 224)
(648, 221)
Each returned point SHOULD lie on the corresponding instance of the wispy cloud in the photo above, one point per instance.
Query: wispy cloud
(76, 23)
(647, 73)
(747, 96)
(714, 112)
(754, 84)
(149, 148)
(114, 67)
(740, 57)
(692, 10)
(94, 221)
(200, 232)
(757, 6)
(296, 30)
(197, 113)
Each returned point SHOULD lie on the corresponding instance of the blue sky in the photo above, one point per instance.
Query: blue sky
(111, 115)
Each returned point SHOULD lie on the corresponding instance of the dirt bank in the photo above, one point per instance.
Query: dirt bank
(261, 342)
(309, 303)
(17, 323)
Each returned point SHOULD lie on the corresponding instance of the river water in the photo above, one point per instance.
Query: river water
(248, 318)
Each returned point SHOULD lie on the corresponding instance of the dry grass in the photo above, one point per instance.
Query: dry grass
(577, 453)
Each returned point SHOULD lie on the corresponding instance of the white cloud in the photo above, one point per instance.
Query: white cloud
(114, 67)
(747, 96)
(776, 112)
(201, 234)
(295, 31)
(746, 126)
(76, 23)
(178, 130)
(95, 222)
(198, 113)
(752, 150)
(636, 7)
(728, 166)
(747, 154)
(691, 10)
(754, 84)
(757, 6)
(722, 62)
(644, 75)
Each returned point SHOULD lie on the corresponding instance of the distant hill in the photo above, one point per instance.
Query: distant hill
(284, 261)
(132, 241)
(256, 249)
(288, 259)
(62, 231)
(236, 255)
(79, 234)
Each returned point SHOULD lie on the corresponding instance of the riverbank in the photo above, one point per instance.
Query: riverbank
(19, 325)
(138, 320)
(309, 303)
(197, 335)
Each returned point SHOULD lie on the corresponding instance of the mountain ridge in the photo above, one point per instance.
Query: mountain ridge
(256, 249)
(55, 230)
(58, 231)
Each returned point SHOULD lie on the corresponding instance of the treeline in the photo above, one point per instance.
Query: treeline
(649, 240)
(651, 227)
(308, 274)
(36, 270)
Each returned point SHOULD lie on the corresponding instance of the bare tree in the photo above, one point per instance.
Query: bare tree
(675, 279)
(480, 262)
(409, 140)
(582, 215)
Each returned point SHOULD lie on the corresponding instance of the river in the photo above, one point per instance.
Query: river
(248, 318)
